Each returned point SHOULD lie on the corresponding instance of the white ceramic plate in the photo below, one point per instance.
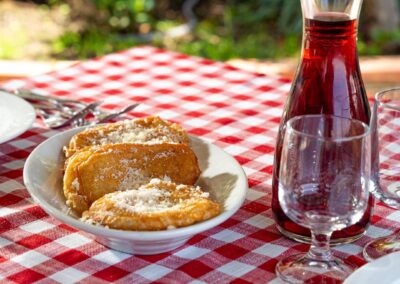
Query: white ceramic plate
(385, 270)
(221, 175)
(17, 116)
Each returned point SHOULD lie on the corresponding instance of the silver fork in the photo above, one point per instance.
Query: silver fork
(57, 119)
(101, 118)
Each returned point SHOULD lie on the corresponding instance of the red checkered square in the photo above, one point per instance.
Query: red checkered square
(71, 257)
(111, 274)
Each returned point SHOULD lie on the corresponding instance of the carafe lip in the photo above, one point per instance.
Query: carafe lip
(351, 8)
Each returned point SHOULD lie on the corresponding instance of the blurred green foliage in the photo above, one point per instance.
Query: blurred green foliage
(225, 28)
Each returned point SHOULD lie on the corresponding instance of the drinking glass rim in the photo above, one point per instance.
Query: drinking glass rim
(290, 128)
(379, 95)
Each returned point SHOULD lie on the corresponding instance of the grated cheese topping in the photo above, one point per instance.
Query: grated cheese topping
(131, 132)
(154, 197)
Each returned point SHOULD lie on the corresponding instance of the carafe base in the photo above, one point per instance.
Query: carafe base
(307, 240)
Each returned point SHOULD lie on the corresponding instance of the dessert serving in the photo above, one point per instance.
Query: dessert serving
(135, 175)
(158, 205)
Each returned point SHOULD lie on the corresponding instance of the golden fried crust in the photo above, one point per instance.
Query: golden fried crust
(183, 205)
(151, 129)
(95, 171)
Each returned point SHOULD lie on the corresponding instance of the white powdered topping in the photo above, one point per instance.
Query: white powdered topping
(75, 184)
(132, 132)
(133, 179)
(153, 197)
(143, 200)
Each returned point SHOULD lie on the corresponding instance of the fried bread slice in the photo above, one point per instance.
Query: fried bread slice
(95, 171)
(148, 130)
(158, 205)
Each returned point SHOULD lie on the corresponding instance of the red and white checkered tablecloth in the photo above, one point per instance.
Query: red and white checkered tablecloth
(237, 110)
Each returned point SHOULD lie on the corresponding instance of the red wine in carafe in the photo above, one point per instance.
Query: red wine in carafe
(328, 81)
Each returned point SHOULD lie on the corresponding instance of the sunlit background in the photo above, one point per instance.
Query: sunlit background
(215, 29)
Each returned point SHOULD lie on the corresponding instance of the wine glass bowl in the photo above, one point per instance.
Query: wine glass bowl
(323, 186)
(385, 174)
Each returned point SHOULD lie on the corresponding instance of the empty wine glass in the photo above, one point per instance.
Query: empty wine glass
(385, 175)
(323, 185)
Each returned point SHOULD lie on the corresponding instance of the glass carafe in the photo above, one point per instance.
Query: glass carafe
(328, 81)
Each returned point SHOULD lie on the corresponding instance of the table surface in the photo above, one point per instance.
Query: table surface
(237, 110)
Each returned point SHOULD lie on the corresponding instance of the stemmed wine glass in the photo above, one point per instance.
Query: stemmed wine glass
(323, 185)
(385, 175)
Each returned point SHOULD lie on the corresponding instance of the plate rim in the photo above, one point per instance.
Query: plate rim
(353, 278)
(135, 235)
(30, 117)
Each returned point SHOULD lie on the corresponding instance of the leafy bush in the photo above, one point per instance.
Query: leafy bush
(224, 30)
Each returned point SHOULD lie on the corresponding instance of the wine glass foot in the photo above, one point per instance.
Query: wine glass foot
(300, 269)
(381, 247)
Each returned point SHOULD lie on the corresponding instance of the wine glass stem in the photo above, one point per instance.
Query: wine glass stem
(320, 248)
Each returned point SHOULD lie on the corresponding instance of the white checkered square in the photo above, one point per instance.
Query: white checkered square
(111, 257)
(351, 249)
(236, 75)
(271, 96)
(192, 106)
(69, 275)
(240, 90)
(192, 252)
(227, 130)
(5, 211)
(216, 98)
(246, 105)
(212, 83)
(395, 216)
(188, 91)
(37, 226)
(227, 236)
(393, 147)
(196, 122)
(161, 70)
(236, 268)
(4, 242)
(270, 250)
(259, 221)
(254, 194)
(73, 240)
(183, 63)
(16, 164)
(260, 139)
(10, 186)
(164, 84)
(90, 78)
(113, 85)
(235, 149)
(22, 144)
(376, 232)
(138, 64)
(30, 258)
(161, 57)
(86, 93)
(272, 111)
(267, 159)
(153, 272)
(60, 85)
(187, 77)
(112, 71)
(168, 114)
(221, 113)
(252, 121)
(114, 100)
